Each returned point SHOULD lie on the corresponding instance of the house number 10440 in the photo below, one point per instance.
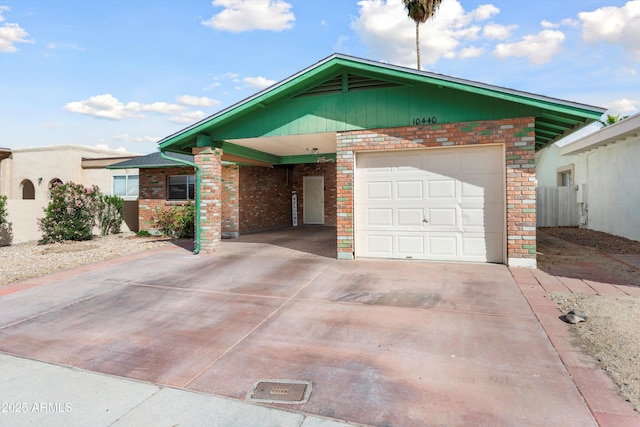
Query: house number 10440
(425, 120)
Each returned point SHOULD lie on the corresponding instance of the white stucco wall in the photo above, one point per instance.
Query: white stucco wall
(57, 162)
(613, 191)
(548, 161)
(612, 177)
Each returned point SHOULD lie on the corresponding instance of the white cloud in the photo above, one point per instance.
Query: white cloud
(623, 106)
(64, 46)
(194, 101)
(484, 12)
(140, 139)
(385, 28)
(188, 117)
(538, 48)
(247, 15)
(615, 25)
(10, 34)
(258, 82)
(108, 107)
(497, 32)
(470, 52)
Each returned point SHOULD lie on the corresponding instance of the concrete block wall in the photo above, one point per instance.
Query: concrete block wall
(328, 171)
(516, 135)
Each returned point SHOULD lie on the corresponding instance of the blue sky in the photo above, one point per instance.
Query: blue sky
(125, 73)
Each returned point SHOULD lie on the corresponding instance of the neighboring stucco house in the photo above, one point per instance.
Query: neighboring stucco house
(601, 170)
(27, 174)
(426, 166)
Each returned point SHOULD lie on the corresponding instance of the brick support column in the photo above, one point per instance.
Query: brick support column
(209, 160)
(517, 136)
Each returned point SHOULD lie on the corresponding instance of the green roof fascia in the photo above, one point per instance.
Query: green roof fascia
(588, 112)
(307, 158)
(335, 63)
(257, 101)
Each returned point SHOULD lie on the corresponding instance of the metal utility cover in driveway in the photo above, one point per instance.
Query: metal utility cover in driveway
(280, 391)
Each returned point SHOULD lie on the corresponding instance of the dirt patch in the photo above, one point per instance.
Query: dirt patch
(588, 255)
(612, 331)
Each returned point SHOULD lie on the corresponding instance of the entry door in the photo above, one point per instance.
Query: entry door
(313, 199)
(436, 204)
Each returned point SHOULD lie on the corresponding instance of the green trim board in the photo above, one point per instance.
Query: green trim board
(342, 93)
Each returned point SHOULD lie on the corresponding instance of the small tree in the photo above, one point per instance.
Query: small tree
(71, 213)
(109, 213)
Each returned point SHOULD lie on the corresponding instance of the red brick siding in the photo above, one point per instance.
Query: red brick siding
(265, 198)
(153, 193)
(328, 171)
(209, 160)
(517, 137)
(230, 200)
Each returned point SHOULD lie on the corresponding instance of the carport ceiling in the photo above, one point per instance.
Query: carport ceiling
(343, 93)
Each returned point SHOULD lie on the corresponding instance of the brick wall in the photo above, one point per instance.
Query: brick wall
(230, 200)
(153, 193)
(518, 139)
(328, 171)
(265, 198)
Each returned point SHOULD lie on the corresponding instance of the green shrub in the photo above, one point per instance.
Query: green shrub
(71, 213)
(3, 210)
(143, 233)
(177, 221)
(109, 213)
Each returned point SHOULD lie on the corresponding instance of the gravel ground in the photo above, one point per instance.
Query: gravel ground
(611, 333)
(26, 260)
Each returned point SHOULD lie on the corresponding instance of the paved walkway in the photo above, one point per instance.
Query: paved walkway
(383, 342)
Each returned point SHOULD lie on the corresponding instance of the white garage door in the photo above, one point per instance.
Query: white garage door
(436, 204)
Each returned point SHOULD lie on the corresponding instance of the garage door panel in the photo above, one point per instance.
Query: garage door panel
(410, 217)
(442, 161)
(380, 217)
(380, 190)
(411, 245)
(413, 189)
(379, 245)
(442, 189)
(443, 246)
(442, 217)
(482, 187)
(440, 204)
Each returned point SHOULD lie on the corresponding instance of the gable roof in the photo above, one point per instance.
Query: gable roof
(620, 131)
(153, 160)
(341, 74)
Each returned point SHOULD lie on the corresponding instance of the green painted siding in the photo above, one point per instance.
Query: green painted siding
(376, 108)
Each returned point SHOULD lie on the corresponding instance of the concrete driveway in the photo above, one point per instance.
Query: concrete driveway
(399, 343)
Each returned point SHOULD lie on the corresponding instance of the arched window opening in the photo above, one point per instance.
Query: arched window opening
(28, 190)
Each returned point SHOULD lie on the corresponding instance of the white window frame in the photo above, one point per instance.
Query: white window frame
(127, 176)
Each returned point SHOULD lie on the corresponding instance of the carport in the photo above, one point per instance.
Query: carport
(427, 166)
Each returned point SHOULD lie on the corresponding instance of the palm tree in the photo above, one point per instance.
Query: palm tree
(611, 119)
(420, 11)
